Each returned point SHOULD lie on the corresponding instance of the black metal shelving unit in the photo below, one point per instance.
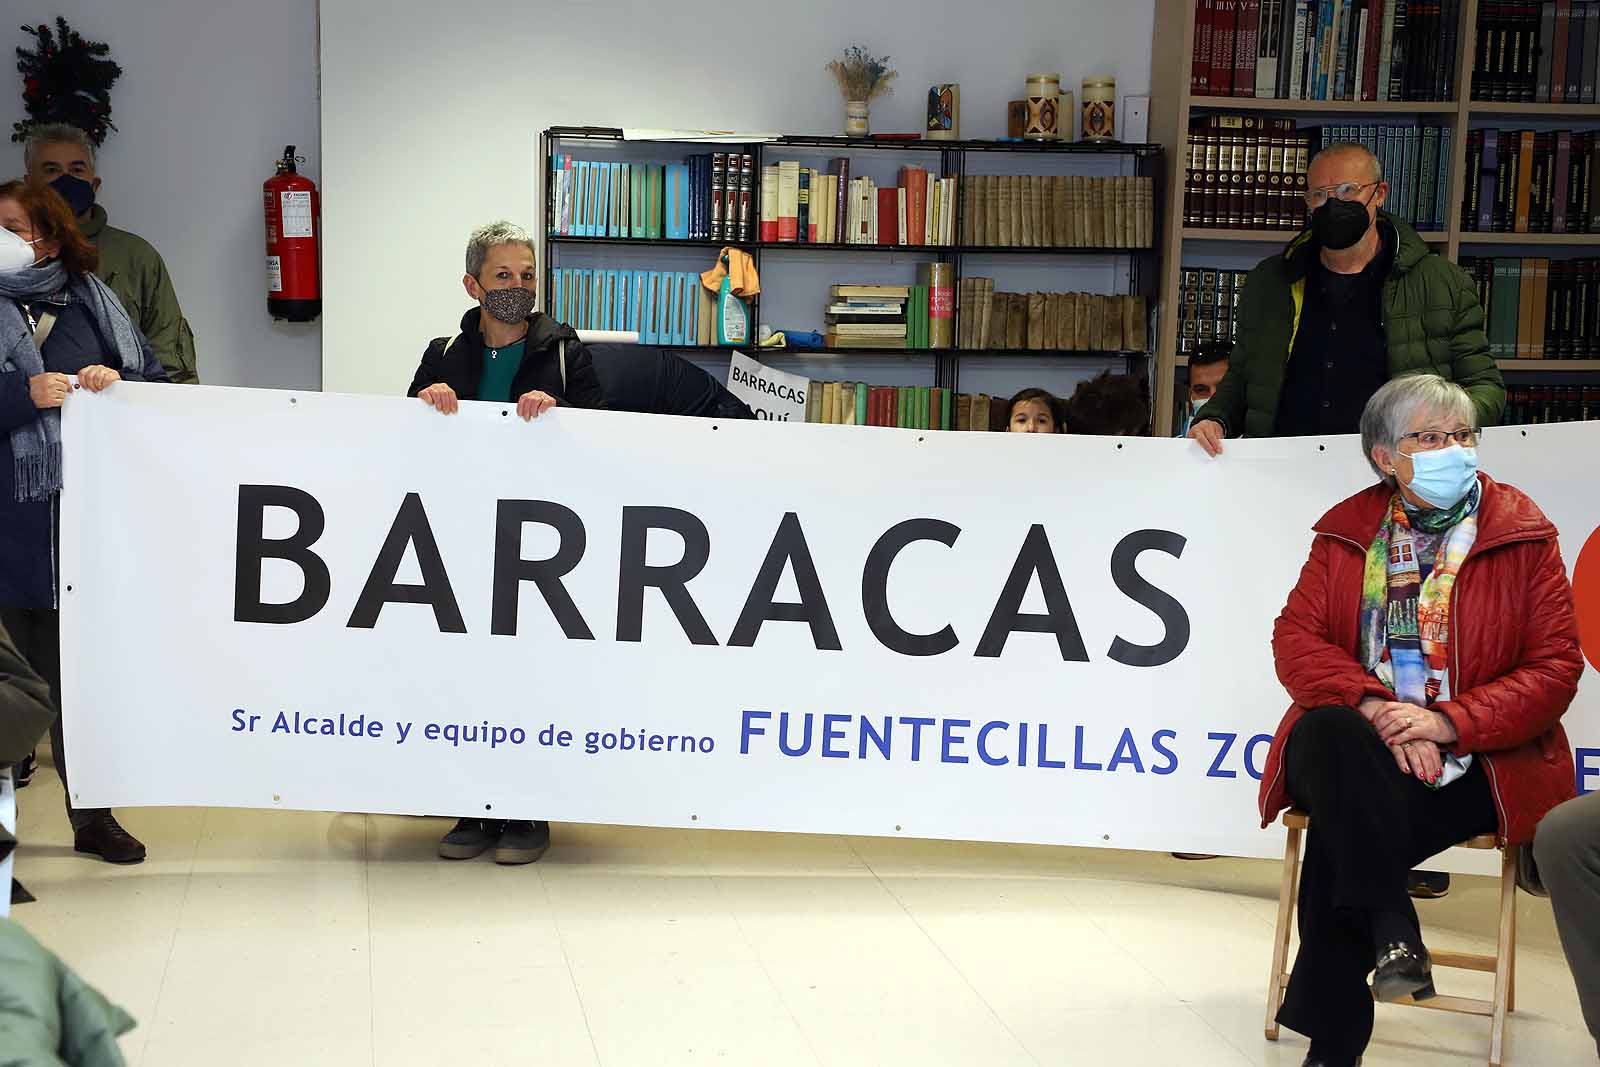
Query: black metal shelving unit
(1142, 276)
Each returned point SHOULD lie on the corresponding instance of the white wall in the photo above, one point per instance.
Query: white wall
(209, 95)
(431, 121)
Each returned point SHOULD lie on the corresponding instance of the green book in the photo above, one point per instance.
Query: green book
(1504, 308)
(921, 298)
(902, 416)
(861, 403)
(944, 409)
(922, 407)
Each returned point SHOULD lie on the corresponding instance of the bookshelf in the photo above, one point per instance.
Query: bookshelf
(1173, 106)
(1134, 271)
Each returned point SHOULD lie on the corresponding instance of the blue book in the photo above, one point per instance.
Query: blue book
(1325, 39)
(691, 171)
(596, 300)
(554, 308)
(608, 201)
(675, 209)
(619, 300)
(1442, 180)
(693, 329)
(580, 200)
(680, 318)
(635, 282)
(647, 308)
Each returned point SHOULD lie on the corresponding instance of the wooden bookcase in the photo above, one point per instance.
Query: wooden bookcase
(1172, 106)
(1137, 271)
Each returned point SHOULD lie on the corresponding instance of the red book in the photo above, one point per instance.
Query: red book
(1200, 71)
(1224, 23)
(889, 216)
(1369, 68)
(1244, 49)
(914, 180)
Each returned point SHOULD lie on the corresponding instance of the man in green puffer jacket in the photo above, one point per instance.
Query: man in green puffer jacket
(1353, 301)
(63, 158)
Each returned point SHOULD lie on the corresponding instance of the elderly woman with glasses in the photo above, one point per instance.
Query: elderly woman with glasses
(1430, 648)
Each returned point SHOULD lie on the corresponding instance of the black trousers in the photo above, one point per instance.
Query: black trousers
(1370, 824)
(37, 634)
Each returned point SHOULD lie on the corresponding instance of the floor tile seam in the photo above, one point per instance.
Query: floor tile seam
(962, 974)
(761, 962)
(566, 958)
(177, 927)
(372, 978)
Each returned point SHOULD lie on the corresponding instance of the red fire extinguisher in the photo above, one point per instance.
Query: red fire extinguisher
(293, 286)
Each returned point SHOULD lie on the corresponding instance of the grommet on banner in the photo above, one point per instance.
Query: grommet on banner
(488, 807)
(1119, 446)
(714, 427)
(694, 818)
(1322, 448)
(897, 827)
(292, 400)
(276, 798)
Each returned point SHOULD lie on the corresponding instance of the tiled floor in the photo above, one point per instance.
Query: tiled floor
(281, 938)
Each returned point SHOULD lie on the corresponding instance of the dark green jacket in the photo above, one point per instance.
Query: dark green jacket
(1431, 318)
(134, 270)
(25, 707)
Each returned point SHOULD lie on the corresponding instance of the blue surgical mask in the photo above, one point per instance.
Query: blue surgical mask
(1442, 477)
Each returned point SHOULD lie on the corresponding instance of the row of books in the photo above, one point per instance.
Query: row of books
(665, 307)
(1537, 53)
(1057, 211)
(1208, 302)
(1539, 308)
(804, 205)
(1532, 182)
(1416, 164)
(707, 197)
(1325, 49)
(1532, 405)
(1242, 172)
(1053, 322)
(913, 407)
(892, 316)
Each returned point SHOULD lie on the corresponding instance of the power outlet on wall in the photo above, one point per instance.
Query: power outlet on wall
(1136, 119)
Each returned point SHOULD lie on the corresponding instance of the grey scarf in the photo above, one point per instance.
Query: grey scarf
(36, 447)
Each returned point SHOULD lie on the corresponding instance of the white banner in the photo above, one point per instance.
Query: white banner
(354, 603)
(774, 395)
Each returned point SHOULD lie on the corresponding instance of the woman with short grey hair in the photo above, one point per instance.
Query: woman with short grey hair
(505, 352)
(1430, 648)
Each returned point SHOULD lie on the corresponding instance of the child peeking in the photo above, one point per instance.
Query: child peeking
(1034, 411)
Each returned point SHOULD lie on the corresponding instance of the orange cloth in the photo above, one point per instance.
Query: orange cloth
(737, 265)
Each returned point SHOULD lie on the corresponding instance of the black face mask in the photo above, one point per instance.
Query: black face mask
(78, 193)
(1339, 224)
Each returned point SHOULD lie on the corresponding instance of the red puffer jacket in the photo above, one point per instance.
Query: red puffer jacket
(1514, 656)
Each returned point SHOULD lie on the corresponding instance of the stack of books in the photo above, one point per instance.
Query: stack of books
(1057, 211)
(802, 205)
(1530, 405)
(1245, 173)
(1537, 53)
(1057, 322)
(666, 308)
(871, 316)
(1522, 181)
(912, 407)
(707, 197)
(1325, 49)
(1539, 308)
(1208, 301)
(1415, 161)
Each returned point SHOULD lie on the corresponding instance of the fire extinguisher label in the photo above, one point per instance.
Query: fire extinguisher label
(297, 213)
(274, 274)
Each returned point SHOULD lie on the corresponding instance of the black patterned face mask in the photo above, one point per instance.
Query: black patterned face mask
(508, 305)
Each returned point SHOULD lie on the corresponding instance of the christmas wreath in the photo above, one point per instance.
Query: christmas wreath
(66, 79)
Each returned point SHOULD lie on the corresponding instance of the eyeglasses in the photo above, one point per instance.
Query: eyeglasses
(1432, 440)
(1343, 191)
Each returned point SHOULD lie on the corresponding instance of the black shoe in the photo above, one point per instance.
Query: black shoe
(103, 836)
(469, 838)
(1402, 971)
(1427, 885)
(522, 842)
(22, 771)
(1318, 1061)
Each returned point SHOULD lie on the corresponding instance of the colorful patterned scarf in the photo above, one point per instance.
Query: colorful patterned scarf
(1405, 619)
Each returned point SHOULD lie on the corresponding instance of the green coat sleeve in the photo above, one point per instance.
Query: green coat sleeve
(162, 323)
(25, 707)
(1471, 365)
(1227, 404)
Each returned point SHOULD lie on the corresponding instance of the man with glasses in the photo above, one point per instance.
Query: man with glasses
(1355, 300)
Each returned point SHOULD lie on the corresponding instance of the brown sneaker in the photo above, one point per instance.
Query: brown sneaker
(103, 836)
